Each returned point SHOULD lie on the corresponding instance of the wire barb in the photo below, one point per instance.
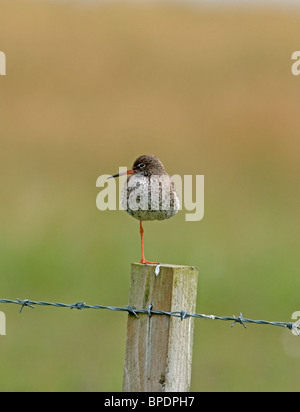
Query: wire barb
(131, 311)
(240, 320)
(78, 305)
(184, 315)
(24, 303)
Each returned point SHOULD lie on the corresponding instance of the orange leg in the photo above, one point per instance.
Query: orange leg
(143, 260)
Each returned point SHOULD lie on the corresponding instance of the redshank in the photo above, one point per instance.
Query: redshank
(149, 193)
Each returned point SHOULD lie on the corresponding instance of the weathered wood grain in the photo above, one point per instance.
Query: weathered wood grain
(158, 354)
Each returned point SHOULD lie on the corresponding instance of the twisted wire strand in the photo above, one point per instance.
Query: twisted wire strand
(293, 326)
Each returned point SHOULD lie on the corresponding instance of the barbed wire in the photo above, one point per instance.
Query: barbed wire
(293, 326)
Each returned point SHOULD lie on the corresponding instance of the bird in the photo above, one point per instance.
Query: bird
(148, 194)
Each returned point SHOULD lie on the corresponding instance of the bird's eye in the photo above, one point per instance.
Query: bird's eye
(141, 166)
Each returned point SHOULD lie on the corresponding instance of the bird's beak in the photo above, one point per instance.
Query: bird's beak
(127, 172)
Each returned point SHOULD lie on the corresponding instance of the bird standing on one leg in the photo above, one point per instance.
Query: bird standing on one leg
(149, 193)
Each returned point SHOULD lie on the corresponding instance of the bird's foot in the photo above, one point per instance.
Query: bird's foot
(146, 262)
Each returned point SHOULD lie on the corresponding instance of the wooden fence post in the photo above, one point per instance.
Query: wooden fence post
(158, 355)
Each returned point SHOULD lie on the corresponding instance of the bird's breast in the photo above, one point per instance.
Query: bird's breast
(150, 197)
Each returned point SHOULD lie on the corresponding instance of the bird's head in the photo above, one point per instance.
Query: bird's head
(145, 165)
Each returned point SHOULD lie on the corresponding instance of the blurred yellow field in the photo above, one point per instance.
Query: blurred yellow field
(209, 91)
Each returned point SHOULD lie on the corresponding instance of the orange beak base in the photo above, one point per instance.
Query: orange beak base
(128, 172)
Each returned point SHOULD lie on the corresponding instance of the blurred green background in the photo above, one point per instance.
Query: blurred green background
(89, 87)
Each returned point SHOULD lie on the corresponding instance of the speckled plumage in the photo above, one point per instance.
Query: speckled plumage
(149, 193)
